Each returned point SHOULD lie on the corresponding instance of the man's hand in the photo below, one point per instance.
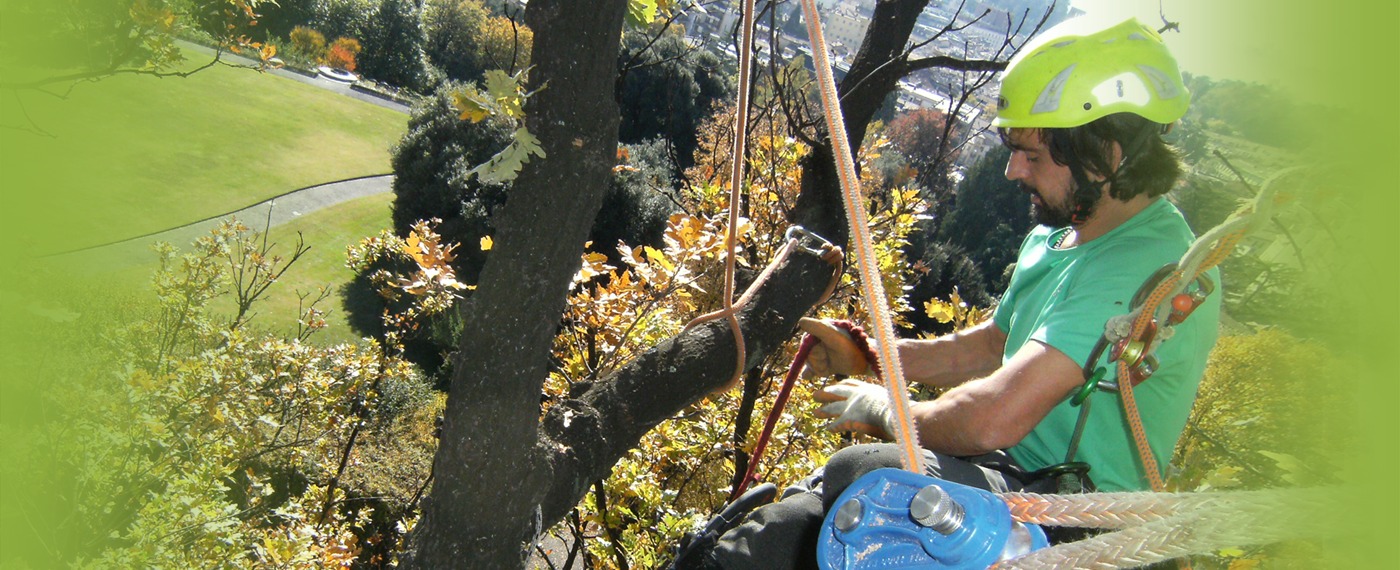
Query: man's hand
(837, 353)
(857, 407)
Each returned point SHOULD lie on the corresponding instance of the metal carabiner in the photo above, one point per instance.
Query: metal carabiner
(798, 233)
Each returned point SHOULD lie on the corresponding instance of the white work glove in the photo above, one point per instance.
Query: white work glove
(858, 407)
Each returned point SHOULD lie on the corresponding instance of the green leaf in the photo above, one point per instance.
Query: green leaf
(506, 165)
(505, 91)
(640, 13)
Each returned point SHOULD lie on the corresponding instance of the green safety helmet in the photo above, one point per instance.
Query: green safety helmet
(1070, 76)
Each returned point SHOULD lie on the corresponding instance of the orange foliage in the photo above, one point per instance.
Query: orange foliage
(342, 54)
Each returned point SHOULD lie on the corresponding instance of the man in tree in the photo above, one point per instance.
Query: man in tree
(1082, 110)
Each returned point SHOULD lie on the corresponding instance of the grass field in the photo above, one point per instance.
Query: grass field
(130, 155)
(328, 231)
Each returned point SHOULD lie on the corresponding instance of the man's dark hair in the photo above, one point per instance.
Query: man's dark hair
(1150, 166)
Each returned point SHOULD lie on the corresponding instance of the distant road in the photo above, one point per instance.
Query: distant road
(272, 212)
(318, 81)
(282, 209)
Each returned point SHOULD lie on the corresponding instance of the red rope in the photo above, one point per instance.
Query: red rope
(750, 476)
(794, 370)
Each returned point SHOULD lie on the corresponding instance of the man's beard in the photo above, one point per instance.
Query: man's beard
(1047, 213)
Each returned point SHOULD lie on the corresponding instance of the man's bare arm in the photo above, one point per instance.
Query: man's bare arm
(997, 411)
(952, 359)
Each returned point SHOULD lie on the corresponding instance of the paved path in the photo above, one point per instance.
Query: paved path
(285, 208)
(318, 81)
(282, 209)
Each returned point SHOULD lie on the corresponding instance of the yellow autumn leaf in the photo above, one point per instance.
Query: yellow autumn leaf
(659, 258)
(939, 311)
(470, 108)
(486, 243)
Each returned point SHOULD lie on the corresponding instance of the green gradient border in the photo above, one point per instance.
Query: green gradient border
(1352, 56)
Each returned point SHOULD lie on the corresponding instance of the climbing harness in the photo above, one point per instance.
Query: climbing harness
(1132, 339)
(903, 518)
(879, 518)
(890, 516)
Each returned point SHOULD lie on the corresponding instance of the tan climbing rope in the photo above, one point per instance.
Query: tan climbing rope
(829, 253)
(870, 282)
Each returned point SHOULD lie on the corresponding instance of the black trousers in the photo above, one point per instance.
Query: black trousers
(783, 535)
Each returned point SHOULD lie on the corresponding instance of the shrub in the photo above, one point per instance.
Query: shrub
(1267, 415)
(342, 53)
(342, 18)
(181, 438)
(394, 45)
(308, 41)
(454, 31)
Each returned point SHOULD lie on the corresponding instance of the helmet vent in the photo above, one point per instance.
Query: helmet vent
(1136, 36)
(1161, 82)
(1049, 99)
(1123, 88)
(1062, 44)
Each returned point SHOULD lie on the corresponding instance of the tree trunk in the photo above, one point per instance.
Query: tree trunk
(491, 469)
(503, 474)
(875, 71)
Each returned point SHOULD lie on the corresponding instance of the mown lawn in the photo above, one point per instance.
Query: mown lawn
(328, 232)
(130, 155)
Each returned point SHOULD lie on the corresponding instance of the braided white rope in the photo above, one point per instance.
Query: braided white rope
(1176, 525)
(1250, 219)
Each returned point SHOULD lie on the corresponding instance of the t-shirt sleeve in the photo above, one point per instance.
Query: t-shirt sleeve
(1102, 289)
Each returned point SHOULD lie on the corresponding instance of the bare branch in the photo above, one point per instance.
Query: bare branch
(115, 69)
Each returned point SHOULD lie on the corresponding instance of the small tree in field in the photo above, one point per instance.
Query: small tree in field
(394, 45)
(342, 54)
(308, 42)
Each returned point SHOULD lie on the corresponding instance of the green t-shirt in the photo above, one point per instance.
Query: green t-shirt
(1063, 297)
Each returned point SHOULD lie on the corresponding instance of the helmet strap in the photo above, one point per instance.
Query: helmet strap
(1086, 195)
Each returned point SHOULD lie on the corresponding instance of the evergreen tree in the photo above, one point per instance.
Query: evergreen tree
(430, 165)
(342, 18)
(393, 46)
(667, 90)
(989, 218)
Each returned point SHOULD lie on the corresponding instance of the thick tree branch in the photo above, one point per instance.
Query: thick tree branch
(953, 63)
(589, 434)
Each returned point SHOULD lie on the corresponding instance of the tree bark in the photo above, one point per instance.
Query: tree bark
(875, 71)
(503, 474)
(492, 469)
